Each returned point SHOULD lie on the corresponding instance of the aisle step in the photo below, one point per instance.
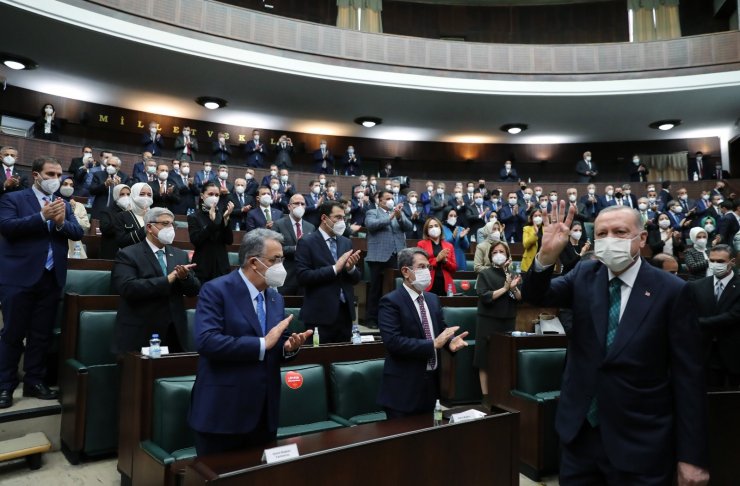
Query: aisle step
(29, 415)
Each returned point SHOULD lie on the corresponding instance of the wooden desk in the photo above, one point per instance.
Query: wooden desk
(399, 451)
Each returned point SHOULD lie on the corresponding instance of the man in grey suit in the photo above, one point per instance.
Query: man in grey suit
(586, 169)
(386, 227)
(293, 227)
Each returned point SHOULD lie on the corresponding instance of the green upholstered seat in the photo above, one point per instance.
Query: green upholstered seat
(467, 384)
(88, 282)
(469, 265)
(354, 391)
(465, 317)
(172, 439)
(304, 410)
(540, 370)
(296, 325)
(234, 258)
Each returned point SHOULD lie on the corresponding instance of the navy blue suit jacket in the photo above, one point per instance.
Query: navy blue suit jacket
(314, 265)
(256, 157)
(403, 385)
(25, 238)
(232, 385)
(256, 217)
(649, 384)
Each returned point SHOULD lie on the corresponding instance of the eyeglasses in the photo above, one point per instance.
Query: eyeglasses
(274, 260)
(163, 223)
(298, 204)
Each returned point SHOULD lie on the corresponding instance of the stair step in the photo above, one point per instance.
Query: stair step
(28, 415)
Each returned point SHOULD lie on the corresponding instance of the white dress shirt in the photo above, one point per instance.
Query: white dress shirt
(415, 295)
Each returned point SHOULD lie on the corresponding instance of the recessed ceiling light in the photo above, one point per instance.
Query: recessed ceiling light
(211, 102)
(665, 124)
(17, 63)
(368, 121)
(514, 128)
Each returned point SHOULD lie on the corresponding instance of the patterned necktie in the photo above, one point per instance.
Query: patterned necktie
(333, 247)
(49, 264)
(615, 305)
(8, 174)
(432, 362)
(261, 311)
(298, 232)
(162, 264)
(268, 216)
(718, 290)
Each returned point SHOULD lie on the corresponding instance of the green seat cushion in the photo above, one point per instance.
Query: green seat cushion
(355, 386)
(234, 258)
(539, 370)
(469, 265)
(294, 430)
(306, 404)
(465, 317)
(94, 337)
(296, 325)
(170, 429)
(367, 418)
(186, 453)
(88, 282)
(101, 411)
(467, 382)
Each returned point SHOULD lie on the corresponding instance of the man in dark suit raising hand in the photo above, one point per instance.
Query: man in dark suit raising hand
(632, 406)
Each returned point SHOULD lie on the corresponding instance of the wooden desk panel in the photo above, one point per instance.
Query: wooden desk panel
(400, 451)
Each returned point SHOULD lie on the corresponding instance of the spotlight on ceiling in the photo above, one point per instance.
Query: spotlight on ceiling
(17, 63)
(514, 128)
(665, 124)
(211, 102)
(368, 121)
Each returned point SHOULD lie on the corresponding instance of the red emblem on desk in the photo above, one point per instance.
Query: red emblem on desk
(293, 379)
(465, 285)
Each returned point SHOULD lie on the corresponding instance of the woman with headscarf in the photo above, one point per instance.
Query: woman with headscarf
(130, 227)
(66, 190)
(47, 126)
(696, 257)
(491, 232)
(106, 223)
(210, 232)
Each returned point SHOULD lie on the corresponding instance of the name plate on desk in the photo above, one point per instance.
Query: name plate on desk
(279, 454)
(466, 416)
(163, 350)
(368, 339)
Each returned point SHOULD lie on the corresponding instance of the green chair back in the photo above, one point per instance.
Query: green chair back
(306, 404)
(170, 429)
(355, 386)
(465, 317)
(88, 282)
(94, 338)
(539, 370)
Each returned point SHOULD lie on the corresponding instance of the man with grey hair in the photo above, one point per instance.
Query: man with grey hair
(414, 334)
(632, 407)
(103, 183)
(151, 277)
(236, 396)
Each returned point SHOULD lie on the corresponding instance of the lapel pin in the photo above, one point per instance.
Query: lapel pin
(647, 294)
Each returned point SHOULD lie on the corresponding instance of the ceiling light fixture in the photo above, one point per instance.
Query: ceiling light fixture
(665, 124)
(17, 63)
(514, 128)
(368, 121)
(211, 102)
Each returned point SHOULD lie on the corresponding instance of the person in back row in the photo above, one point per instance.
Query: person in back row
(210, 233)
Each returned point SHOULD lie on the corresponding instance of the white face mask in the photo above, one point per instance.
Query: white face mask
(572, 198)
(478, 201)
(651, 200)
(299, 211)
(153, 130)
(709, 228)
(339, 228)
(451, 221)
(316, 189)
(494, 200)
(266, 200)
(591, 192)
(223, 175)
(143, 202)
(664, 223)
(373, 183)
(48, 111)
(9, 161)
(166, 235)
(435, 232)
(222, 140)
(256, 138)
(700, 243)
(239, 189)
(163, 175)
(458, 195)
(543, 205)
(388, 187)
(677, 209)
(615, 253)
(422, 279)
(185, 170)
(636, 161)
(322, 182)
(284, 178)
(553, 198)
(495, 236)
(440, 191)
(151, 169)
(412, 200)
(537, 220)
(498, 259)
(718, 269)
(249, 177)
(588, 159)
(275, 186)
(186, 133)
(111, 169)
(642, 206)
(396, 190)
(389, 204)
(512, 201)
(275, 275)
(66, 191)
(609, 192)
(210, 201)
(363, 183)
(576, 235)
(351, 151)
(537, 193)
(206, 169)
(507, 166)
(49, 186)
(124, 202)
(471, 190)
(322, 146)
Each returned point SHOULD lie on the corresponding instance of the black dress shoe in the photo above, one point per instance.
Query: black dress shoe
(6, 398)
(40, 391)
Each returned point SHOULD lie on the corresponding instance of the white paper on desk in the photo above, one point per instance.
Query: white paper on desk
(466, 416)
(279, 454)
(368, 339)
(164, 350)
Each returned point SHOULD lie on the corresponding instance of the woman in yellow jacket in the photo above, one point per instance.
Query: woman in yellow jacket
(532, 236)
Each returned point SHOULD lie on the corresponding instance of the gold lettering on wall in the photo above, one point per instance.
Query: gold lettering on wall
(121, 121)
(194, 131)
(210, 133)
(175, 129)
(226, 135)
(242, 138)
(103, 118)
(139, 124)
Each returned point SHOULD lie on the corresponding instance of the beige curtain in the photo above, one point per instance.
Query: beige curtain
(666, 167)
(643, 29)
(667, 23)
(370, 21)
(347, 18)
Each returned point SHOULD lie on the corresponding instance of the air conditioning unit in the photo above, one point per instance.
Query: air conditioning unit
(19, 127)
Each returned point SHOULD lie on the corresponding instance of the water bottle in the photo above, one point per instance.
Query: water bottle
(437, 414)
(236, 226)
(315, 337)
(356, 338)
(77, 253)
(696, 176)
(155, 351)
(451, 290)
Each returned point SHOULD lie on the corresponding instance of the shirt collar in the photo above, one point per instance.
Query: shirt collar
(152, 246)
(324, 234)
(412, 292)
(39, 195)
(252, 289)
(725, 280)
(629, 275)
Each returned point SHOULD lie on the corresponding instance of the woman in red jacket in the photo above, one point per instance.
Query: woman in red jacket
(441, 257)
